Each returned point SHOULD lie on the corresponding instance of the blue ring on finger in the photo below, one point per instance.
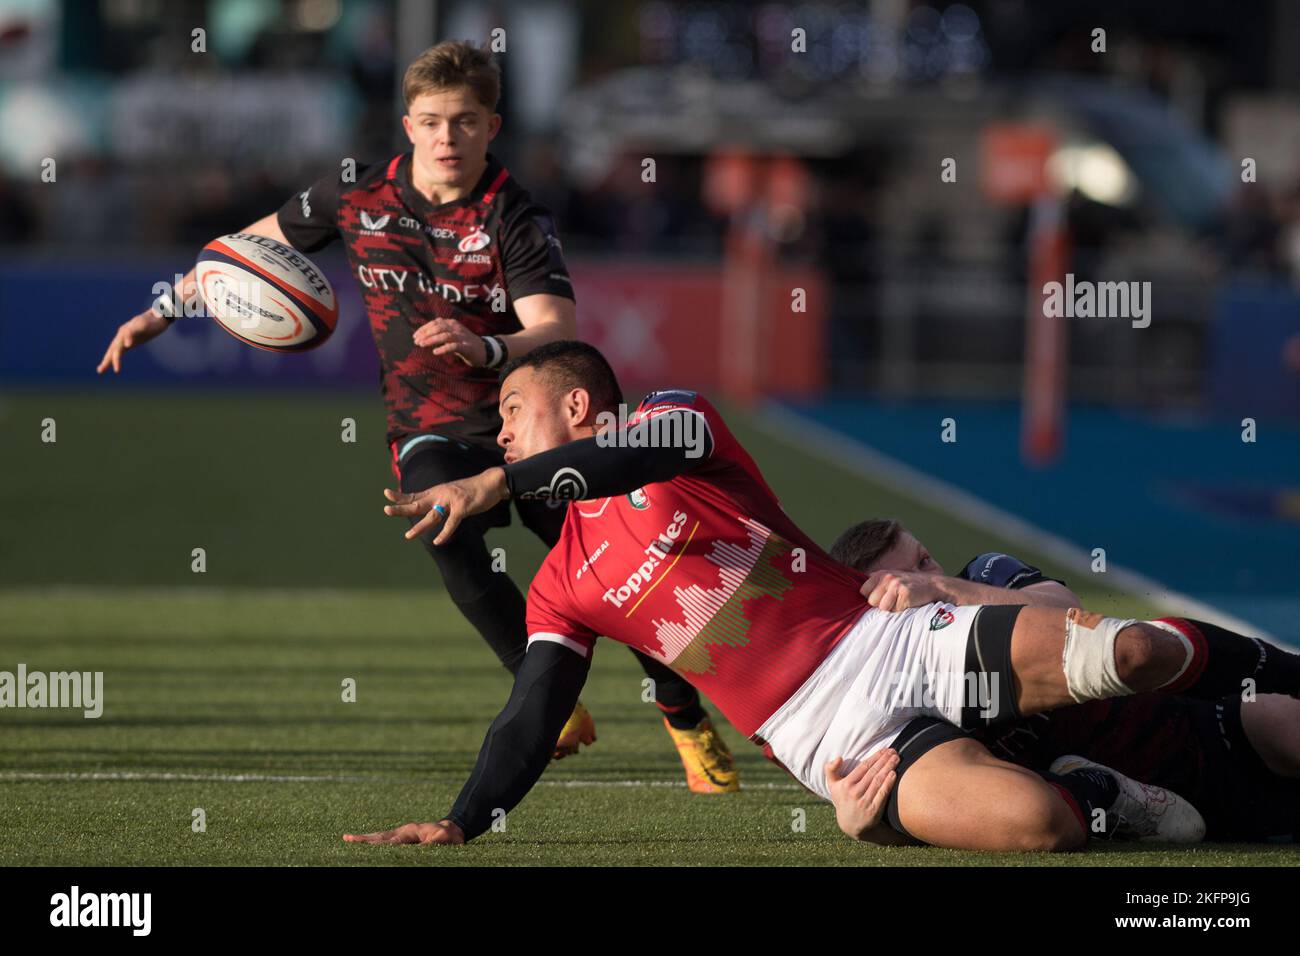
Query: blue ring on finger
(441, 509)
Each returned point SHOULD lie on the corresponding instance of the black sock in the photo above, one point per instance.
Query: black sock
(487, 597)
(1222, 661)
(1088, 790)
(687, 718)
(674, 696)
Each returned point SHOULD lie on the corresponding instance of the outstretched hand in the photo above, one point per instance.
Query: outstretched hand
(131, 334)
(444, 832)
(447, 504)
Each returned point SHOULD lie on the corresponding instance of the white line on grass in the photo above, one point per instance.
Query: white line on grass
(162, 777)
(780, 423)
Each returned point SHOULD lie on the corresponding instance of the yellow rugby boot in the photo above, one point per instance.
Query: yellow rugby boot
(709, 765)
(578, 729)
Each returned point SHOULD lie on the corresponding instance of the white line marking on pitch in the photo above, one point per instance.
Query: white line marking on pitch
(855, 455)
(155, 777)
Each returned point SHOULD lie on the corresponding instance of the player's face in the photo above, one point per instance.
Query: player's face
(450, 130)
(907, 554)
(535, 416)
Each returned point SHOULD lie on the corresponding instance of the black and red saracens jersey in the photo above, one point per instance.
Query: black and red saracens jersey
(468, 260)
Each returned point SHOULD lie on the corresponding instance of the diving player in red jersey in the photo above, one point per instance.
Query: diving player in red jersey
(459, 269)
(1236, 760)
(679, 548)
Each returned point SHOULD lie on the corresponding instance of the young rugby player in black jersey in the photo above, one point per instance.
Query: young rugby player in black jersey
(459, 270)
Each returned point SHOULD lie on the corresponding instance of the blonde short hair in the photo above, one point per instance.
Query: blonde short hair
(451, 64)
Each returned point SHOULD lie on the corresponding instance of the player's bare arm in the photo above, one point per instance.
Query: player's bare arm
(545, 318)
(155, 320)
(902, 574)
(900, 590)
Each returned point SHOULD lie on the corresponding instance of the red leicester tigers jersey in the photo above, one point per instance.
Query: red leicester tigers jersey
(705, 573)
(468, 260)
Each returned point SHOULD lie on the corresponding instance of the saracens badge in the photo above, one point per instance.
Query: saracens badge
(475, 241)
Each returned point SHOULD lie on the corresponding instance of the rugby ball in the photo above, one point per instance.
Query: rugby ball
(266, 293)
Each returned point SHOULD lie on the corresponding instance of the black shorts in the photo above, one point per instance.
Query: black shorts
(918, 738)
(424, 460)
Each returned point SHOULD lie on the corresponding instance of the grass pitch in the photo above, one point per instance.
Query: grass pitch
(223, 689)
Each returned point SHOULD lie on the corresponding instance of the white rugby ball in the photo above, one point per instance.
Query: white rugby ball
(266, 293)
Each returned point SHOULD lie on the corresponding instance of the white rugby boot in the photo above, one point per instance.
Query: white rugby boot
(1146, 813)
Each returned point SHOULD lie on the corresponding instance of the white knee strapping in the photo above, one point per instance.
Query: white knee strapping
(1089, 658)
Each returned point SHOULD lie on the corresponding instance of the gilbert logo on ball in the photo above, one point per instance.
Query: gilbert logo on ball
(266, 293)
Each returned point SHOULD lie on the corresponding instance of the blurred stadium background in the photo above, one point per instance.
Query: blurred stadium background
(775, 172)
